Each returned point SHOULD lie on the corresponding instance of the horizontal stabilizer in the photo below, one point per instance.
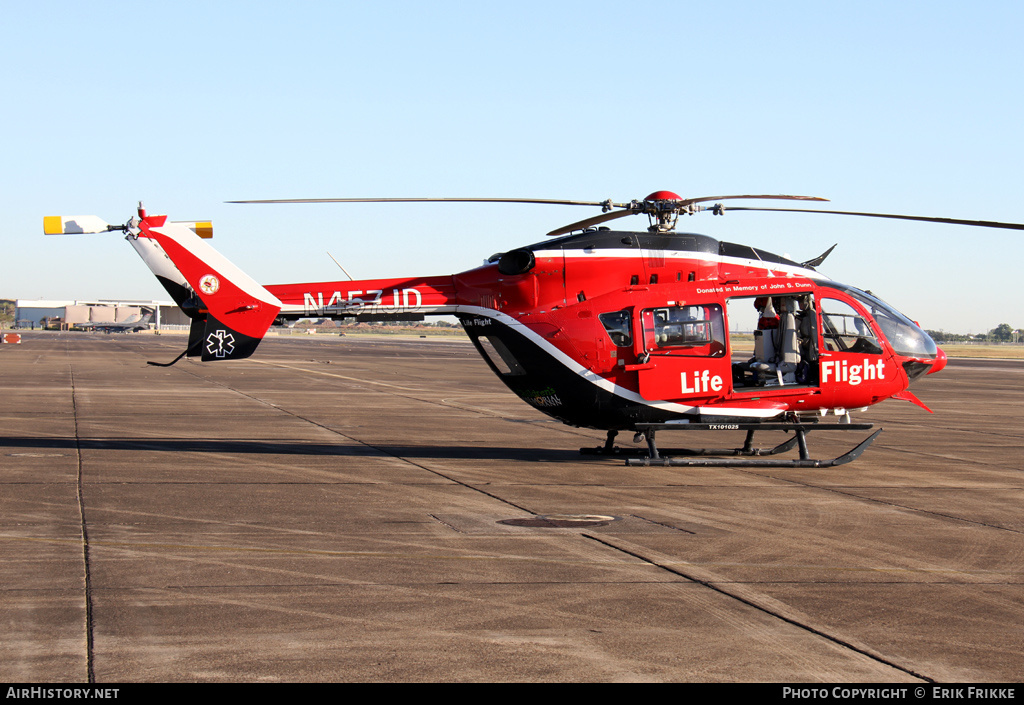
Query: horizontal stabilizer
(74, 224)
(202, 228)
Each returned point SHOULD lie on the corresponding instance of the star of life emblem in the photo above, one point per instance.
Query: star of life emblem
(209, 284)
(220, 343)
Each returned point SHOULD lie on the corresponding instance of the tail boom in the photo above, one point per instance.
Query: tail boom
(370, 298)
(230, 311)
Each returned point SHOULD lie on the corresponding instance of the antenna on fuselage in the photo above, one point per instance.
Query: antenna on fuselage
(340, 267)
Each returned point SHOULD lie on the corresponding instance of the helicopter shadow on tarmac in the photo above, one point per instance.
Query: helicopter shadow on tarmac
(285, 447)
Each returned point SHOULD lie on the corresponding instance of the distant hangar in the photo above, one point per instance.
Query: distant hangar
(42, 313)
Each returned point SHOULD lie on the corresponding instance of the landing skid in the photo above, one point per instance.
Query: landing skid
(748, 455)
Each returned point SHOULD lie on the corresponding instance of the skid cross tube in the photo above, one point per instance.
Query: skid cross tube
(799, 439)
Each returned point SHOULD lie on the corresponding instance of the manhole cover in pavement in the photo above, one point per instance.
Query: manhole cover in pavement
(561, 521)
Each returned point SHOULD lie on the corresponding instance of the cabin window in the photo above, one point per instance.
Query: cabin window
(500, 356)
(619, 327)
(685, 330)
(845, 330)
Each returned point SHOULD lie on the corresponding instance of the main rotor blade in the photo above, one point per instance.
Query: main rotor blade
(778, 197)
(678, 206)
(631, 208)
(556, 202)
(588, 222)
(922, 218)
(560, 202)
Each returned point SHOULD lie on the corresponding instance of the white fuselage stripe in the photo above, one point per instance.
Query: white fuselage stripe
(623, 253)
(603, 383)
(356, 308)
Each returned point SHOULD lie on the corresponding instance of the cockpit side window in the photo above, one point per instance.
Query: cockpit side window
(845, 330)
(903, 334)
(619, 327)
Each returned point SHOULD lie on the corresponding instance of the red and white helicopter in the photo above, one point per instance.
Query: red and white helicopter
(601, 328)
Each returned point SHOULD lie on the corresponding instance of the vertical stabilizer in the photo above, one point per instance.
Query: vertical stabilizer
(233, 309)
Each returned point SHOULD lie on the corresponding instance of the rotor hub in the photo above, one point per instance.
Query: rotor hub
(662, 209)
(663, 196)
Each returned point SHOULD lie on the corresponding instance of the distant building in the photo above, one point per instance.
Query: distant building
(32, 313)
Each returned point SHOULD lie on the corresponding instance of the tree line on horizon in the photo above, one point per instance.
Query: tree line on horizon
(1003, 333)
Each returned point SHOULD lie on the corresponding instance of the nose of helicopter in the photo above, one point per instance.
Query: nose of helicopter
(940, 361)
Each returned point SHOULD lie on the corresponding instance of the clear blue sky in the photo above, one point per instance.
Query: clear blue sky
(897, 107)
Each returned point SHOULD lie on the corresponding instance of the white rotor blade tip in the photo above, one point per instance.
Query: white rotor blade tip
(73, 224)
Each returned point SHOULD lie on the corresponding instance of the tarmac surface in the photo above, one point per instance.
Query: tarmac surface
(361, 509)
